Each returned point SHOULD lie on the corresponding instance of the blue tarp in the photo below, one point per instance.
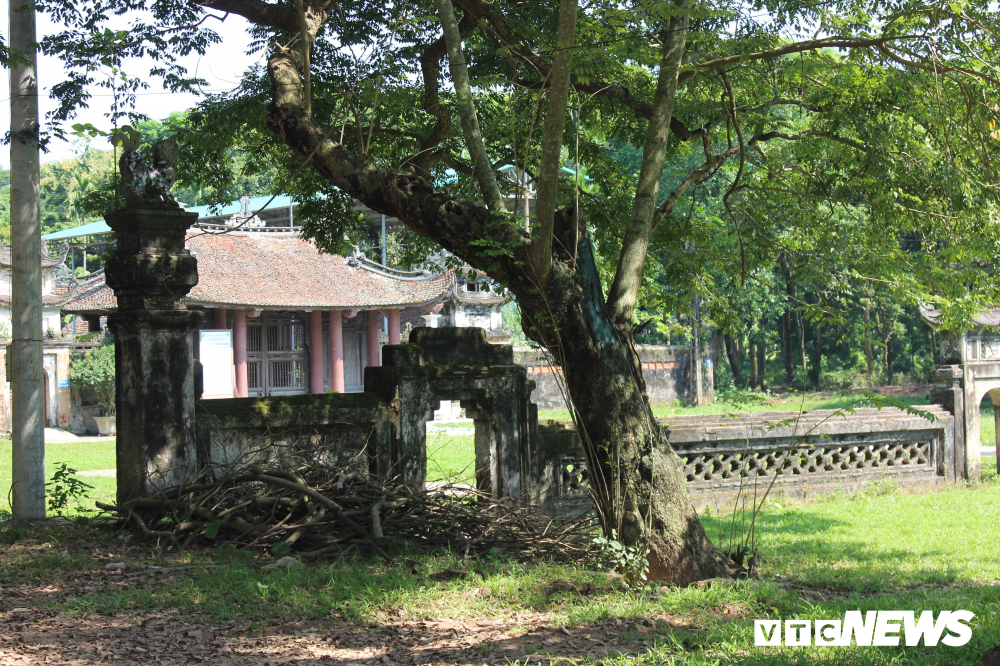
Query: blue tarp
(256, 203)
(91, 229)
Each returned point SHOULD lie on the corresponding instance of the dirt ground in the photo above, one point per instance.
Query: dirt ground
(33, 636)
(37, 628)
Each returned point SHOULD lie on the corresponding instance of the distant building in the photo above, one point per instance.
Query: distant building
(475, 302)
(55, 290)
(302, 321)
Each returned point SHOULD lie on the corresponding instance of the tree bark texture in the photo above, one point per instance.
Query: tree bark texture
(786, 326)
(869, 356)
(633, 470)
(735, 364)
(786, 347)
(887, 359)
(754, 367)
(802, 339)
(482, 169)
(717, 354)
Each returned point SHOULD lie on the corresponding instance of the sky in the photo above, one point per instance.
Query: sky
(221, 66)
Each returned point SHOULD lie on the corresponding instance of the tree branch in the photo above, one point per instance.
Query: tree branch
(283, 17)
(540, 252)
(435, 215)
(624, 290)
(936, 67)
(795, 47)
(432, 102)
(482, 171)
(496, 27)
(769, 136)
(690, 181)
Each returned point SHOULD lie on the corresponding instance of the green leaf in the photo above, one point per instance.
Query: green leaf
(212, 529)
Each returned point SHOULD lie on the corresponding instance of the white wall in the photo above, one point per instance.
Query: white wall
(50, 320)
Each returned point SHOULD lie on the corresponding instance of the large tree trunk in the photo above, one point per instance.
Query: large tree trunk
(786, 347)
(638, 479)
(716, 357)
(786, 327)
(640, 482)
(802, 339)
(887, 357)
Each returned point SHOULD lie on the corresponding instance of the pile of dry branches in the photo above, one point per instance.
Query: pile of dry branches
(321, 514)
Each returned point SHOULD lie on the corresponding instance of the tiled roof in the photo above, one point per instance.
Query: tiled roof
(92, 298)
(47, 261)
(480, 297)
(47, 299)
(985, 319)
(268, 270)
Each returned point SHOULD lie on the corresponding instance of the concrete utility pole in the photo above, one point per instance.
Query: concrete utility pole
(27, 406)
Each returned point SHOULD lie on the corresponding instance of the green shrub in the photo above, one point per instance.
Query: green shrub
(64, 488)
(96, 370)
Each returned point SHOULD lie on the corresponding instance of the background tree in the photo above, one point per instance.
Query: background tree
(96, 371)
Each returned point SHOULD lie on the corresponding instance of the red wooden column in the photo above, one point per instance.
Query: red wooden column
(219, 317)
(336, 352)
(240, 351)
(393, 317)
(316, 351)
(373, 348)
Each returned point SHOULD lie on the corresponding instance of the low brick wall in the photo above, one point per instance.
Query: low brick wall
(345, 431)
(666, 371)
(802, 453)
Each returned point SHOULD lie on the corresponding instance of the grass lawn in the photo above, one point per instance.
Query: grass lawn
(987, 425)
(80, 456)
(451, 458)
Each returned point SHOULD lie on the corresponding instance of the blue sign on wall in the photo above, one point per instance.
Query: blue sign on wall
(63, 383)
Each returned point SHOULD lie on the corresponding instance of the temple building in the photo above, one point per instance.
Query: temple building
(301, 321)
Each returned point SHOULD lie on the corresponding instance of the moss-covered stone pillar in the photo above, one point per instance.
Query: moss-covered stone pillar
(151, 273)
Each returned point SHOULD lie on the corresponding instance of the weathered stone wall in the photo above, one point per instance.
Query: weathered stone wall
(457, 364)
(383, 431)
(803, 453)
(666, 371)
(344, 431)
